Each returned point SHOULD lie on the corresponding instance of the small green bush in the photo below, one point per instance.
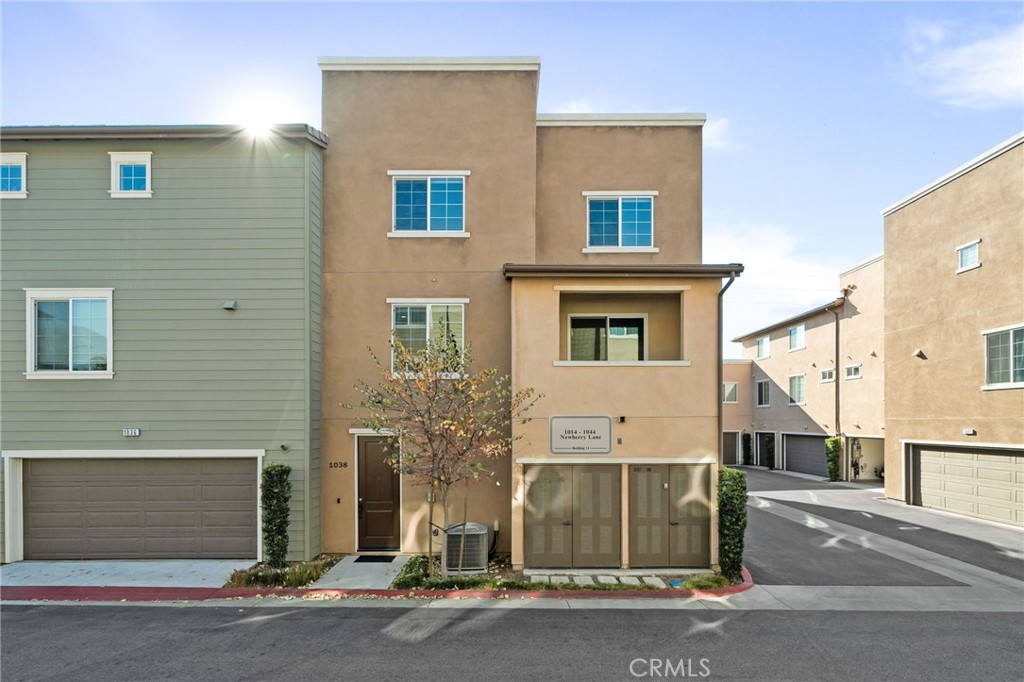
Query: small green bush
(833, 448)
(706, 582)
(296, 575)
(732, 522)
(276, 493)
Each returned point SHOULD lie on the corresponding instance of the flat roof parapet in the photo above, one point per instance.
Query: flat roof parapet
(429, 63)
(567, 120)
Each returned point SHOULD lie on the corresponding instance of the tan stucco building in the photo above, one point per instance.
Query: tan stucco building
(818, 374)
(954, 340)
(567, 251)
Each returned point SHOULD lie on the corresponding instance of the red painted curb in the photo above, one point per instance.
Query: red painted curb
(156, 594)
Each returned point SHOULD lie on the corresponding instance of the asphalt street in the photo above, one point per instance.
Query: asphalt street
(112, 643)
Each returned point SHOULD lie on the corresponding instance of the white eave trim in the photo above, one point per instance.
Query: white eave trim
(429, 63)
(962, 170)
(575, 120)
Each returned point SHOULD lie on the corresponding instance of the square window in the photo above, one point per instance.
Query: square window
(852, 372)
(13, 175)
(420, 326)
(131, 175)
(967, 256)
(1004, 358)
(796, 337)
(69, 333)
(606, 339)
(730, 392)
(429, 204)
(796, 389)
(763, 348)
(625, 222)
(763, 397)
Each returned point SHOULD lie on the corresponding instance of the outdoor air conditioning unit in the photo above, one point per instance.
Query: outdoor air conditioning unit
(474, 556)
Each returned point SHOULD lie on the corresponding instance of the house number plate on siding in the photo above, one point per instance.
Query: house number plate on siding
(581, 435)
(131, 433)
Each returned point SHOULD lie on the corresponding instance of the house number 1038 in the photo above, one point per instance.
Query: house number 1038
(337, 465)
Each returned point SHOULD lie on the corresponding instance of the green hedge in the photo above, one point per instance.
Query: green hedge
(275, 495)
(732, 521)
(833, 447)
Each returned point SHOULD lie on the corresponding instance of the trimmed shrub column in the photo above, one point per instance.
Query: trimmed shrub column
(274, 497)
(732, 521)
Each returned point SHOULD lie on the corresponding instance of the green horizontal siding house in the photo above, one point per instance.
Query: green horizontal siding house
(160, 312)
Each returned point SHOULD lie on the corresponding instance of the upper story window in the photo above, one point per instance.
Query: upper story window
(1004, 358)
(14, 175)
(429, 203)
(730, 392)
(620, 221)
(853, 371)
(763, 348)
(763, 397)
(607, 339)
(796, 389)
(417, 323)
(828, 375)
(70, 333)
(796, 337)
(967, 256)
(131, 174)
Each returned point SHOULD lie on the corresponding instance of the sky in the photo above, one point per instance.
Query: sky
(820, 114)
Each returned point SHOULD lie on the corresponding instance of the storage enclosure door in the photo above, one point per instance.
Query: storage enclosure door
(670, 516)
(597, 519)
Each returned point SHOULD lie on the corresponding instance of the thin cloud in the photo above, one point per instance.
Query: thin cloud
(778, 281)
(718, 134)
(980, 73)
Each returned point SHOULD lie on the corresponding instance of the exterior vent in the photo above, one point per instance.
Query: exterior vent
(474, 558)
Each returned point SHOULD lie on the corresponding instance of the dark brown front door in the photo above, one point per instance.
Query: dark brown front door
(379, 521)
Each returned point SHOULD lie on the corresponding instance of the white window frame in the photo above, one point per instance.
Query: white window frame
(767, 347)
(803, 378)
(856, 368)
(607, 317)
(118, 159)
(396, 175)
(801, 331)
(428, 302)
(959, 252)
(757, 393)
(831, 376)
(1002, 386)
(16, 159)
(34, 295)
(620, 195)
(725, 393)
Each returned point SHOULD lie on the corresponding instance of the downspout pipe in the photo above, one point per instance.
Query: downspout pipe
(721, 357)
(836, 309)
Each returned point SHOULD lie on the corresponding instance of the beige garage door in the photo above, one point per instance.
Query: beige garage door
(988, 484)
(140, 508)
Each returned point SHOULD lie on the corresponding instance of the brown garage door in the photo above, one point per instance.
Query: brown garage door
(140, 508)
(988, 484)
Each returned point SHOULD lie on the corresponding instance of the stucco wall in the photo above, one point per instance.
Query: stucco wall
(943, 314)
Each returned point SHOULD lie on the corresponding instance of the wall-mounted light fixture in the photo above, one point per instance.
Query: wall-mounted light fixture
(919, 353)
(622, 420)
(969, 432)
(230, 305)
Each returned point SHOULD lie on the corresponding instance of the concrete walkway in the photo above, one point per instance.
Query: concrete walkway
(350, 574)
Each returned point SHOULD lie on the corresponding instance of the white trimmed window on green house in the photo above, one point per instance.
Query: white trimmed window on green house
(13, 175)
(1004, 358)
(131, 175)
(70, 334)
